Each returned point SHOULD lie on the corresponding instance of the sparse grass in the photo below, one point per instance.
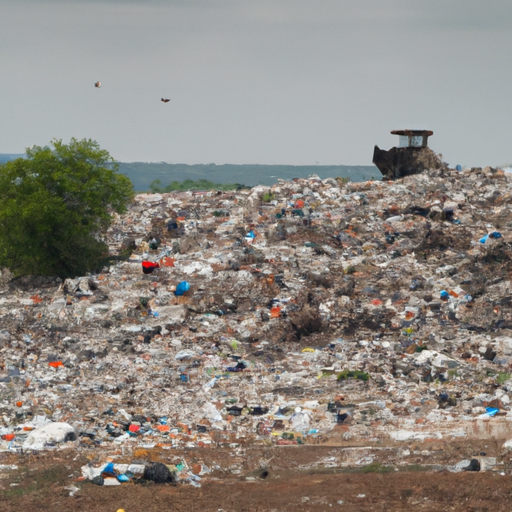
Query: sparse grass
(376, 467)
(353, 374)
(503, 377)
(40, 482)
(414, 468)
(267, 197)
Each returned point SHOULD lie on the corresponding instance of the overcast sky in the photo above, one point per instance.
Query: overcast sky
(258, 81)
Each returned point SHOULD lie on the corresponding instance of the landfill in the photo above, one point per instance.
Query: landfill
(308, 312)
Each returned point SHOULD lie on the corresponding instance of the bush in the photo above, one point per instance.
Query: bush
(356, 374)
(54, 205)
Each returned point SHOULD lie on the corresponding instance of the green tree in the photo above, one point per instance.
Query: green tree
(155, 187)
(54, 205)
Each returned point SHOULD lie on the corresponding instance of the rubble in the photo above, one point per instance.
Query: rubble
(313, 311)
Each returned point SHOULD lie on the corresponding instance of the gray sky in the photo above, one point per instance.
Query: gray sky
(258, 81)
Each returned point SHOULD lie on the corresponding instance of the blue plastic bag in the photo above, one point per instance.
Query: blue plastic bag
(494, 234)
(182, 288)
(109, 469)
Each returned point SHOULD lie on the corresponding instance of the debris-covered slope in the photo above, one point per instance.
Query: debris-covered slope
(314, 308)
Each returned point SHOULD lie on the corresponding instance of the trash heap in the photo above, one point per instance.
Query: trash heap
(311, 311)
(115, 474)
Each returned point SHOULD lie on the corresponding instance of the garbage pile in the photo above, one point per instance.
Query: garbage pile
(304, 312)
(115, 474)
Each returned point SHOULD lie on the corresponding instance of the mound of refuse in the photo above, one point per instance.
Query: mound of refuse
(288, 314)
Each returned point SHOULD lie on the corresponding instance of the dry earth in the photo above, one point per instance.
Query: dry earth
(295, 482)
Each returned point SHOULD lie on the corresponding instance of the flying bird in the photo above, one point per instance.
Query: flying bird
(165, 100)
(97, 84)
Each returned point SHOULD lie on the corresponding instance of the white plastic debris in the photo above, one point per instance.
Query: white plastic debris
(51, 433)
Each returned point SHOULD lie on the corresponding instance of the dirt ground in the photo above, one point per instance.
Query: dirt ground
(42, 484)
(404, 491)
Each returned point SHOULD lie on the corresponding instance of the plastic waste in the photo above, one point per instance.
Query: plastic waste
(109, 469)
(98, 480)
(494, 234)
(474, 465)
(158, 473)
(241, 366)
(172, 225)
(167, 261)
(185, 354)
(299, 421)
(149, 266)
(52, 433)
(182, 287)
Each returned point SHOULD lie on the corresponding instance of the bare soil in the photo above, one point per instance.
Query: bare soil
(41, 482)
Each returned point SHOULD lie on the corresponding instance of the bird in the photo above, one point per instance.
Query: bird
(97, 84)
(165, 100)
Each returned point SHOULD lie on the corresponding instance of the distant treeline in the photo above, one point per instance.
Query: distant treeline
(156, 186)
(147, 176)
(169, 177)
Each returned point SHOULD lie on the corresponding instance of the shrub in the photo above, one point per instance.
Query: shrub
(54, 205)
(353, 374)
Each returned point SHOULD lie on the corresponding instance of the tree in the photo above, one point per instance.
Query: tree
(54, 205)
